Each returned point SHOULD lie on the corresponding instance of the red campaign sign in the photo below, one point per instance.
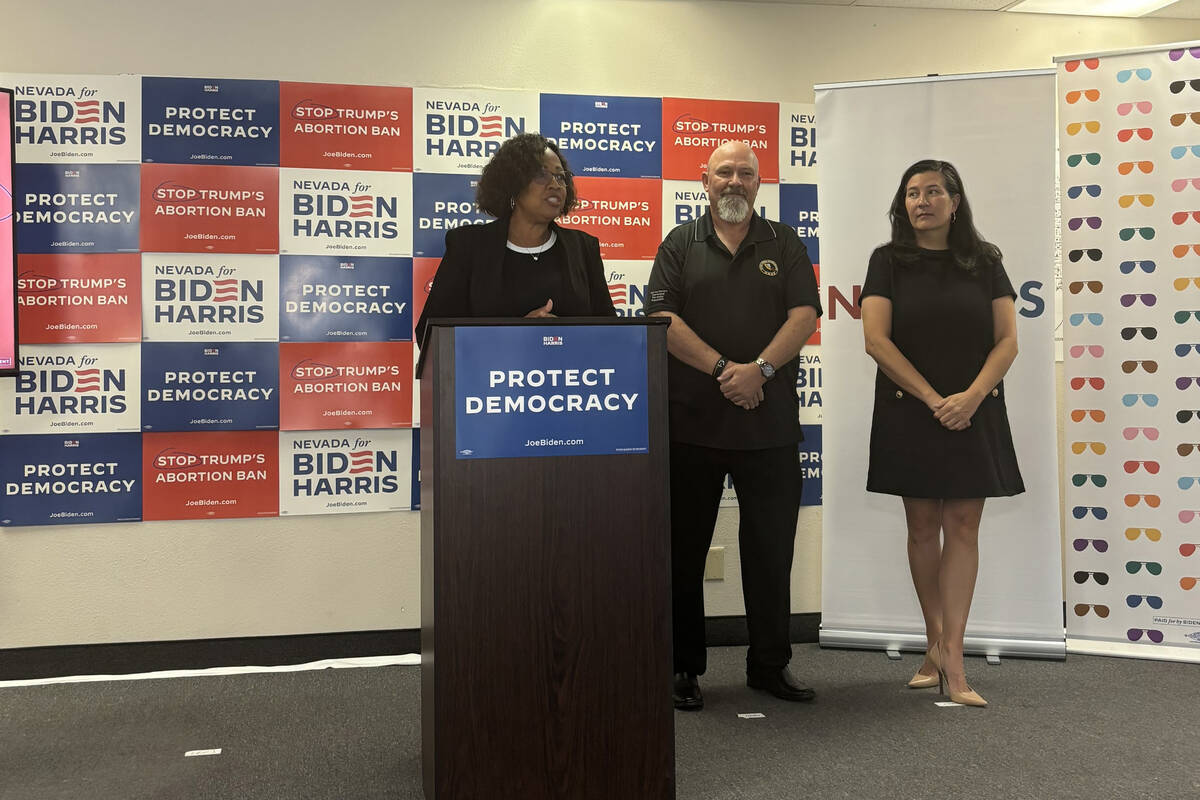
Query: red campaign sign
(337, 126)
(189, 208)
(423, 272)
(625, 214)
(80, 297)
(342, 385)
(210, 475)
(692, 129)
(816, 337)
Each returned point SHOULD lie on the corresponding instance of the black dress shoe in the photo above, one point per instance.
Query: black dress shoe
(780, 683)
(686, 692)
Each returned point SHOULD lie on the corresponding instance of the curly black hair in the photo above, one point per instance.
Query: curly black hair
(516, 163)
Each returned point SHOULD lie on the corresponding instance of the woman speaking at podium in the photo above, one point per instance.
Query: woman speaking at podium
(522, 264)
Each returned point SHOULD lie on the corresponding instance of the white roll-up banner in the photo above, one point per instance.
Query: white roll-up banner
(999, 131)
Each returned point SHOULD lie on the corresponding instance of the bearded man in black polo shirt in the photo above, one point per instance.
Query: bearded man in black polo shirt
(742, 299)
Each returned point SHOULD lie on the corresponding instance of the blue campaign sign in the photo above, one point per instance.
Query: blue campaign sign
(614, 137)
(61, 480)
(810, 465)
(210, 121)
(77, 208)
(345, 299)
(528, 391)
(798, 208)
(442, 202)
(227, 386)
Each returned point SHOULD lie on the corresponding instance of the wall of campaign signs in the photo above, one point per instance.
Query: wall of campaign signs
(218, 279)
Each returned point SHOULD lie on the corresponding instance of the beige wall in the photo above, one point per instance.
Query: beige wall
(161, 581)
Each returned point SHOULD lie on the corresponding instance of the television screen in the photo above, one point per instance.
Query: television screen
(8, 250)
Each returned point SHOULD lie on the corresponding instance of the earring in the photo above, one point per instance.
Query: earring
(953, 217)
(512, 203)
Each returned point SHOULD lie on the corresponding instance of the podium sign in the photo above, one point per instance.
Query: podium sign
(524, 392)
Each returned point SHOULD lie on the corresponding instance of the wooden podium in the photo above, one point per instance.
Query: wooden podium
(545, 600)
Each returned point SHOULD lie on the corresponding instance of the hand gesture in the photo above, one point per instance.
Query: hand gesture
(544, 311)
(742, 384)
(956, 410)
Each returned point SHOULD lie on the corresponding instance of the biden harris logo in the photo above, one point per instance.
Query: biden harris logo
(344, 467)
(66, 115)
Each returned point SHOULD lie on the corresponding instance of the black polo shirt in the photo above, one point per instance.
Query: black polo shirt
(736, 303)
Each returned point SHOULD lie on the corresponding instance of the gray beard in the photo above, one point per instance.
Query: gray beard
(733, 208)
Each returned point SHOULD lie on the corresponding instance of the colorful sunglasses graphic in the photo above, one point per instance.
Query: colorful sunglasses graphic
(1082, 575)
(1188, 549)
(1135, 634)
(1100, 545)
(1078, 383)
(1093, 190)
(1127, 200)
(1183, 316)
(1146, 298)
(1094, 350)
(1095, 287)
(1181, 250)
(1188, 582)
(1142, 107)
(1125, 234)
(1175, 55)
(1188, 481)
(1132, 432)
(1095, 414)
(1153, 534)
(1182, 284)
(1132, 365)
(1094, 254)
(1099, 448)
(1186, 414)
(1075, 159)
(1080, 478)
(1186, 448)
(1178, 86)
(1141, 73)
(1180, 217)
(1134, 465)
(1125, 134)
(1133, 500)
(1130, 400)
(1134, 567)
(1181, 150)
(1075, 95)
(1088, 63)
(1091, 126)
(1126, 167)
(1179, 184)
(1081, 610)
(1075, 223)
(1145, 331)
(1152, 600)
(1184, 116)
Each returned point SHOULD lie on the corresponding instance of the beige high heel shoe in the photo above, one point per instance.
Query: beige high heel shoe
(920, 681)
(968, 698)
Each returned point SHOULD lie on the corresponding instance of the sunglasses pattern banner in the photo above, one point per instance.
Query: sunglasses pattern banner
(1130, 172)
(207, 259)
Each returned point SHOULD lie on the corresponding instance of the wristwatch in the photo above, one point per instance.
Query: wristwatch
(765, 367)
(720, 367)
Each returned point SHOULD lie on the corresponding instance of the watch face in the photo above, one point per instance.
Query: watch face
(767, 370)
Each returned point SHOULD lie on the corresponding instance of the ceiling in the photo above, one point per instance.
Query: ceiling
(1181, 9)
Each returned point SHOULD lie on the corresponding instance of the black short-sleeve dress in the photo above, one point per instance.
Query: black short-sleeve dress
(942, 322)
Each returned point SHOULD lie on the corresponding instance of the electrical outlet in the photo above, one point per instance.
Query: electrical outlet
(714, 565)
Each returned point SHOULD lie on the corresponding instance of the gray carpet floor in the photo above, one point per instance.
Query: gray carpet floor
(1089, 727)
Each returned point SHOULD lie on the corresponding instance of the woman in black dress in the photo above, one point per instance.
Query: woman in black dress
(939, 319)
(522, 264)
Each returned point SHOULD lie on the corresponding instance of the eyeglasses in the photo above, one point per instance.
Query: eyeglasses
(1125, 134)
(1090, 63)
(1097, 414)
(1080, 545)
(1186, 515)
(1175, 55)
(1182, 283)
(1092, 253)
(1182, 117)
(1181, 250)
(1099, 512)
(1093, 189)
(1131, 365)
(1182, 316)
(1075, 158)
(1133, 431)
(1075, 223)
(1177, 86)
(1187, 583)
(1126, 200)
(1135, 600)
(1126, 167)
(1187, 549)
(1130, 400)
(1092, 95)
(1099, 448)
(1184, 381)
(1186, 448)
(1186, 481)
(1082, 575)
(1094, 317)
(1092, 126)
(1094, 350)
(1152, 500)
(1180, 217)
(1180, 150)
(1149, 333)
(1147, 299)
(1153, 534)
(1134, 567)
(1078, 383)
(1150, 466)
(1183, 349)
(1075, 287)
(1081, 610)
(1144, 106)
(1142, 73)
(1179, 184)
(545, 176)
(1080, 478)
(1134, 634)
(1128, 233)
(1185, 415)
